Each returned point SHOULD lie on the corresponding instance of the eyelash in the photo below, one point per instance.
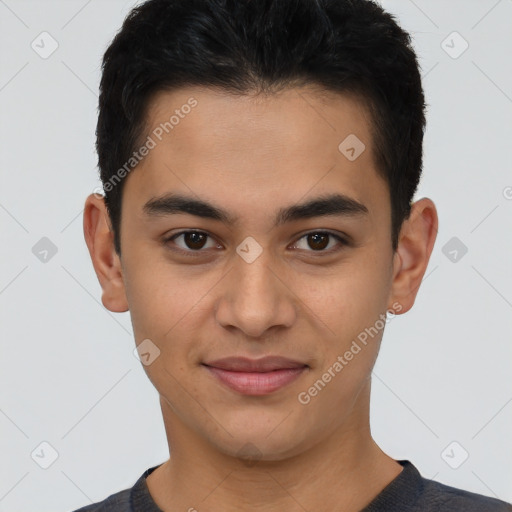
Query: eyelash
(342, 241)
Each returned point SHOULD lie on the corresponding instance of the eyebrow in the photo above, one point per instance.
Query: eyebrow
(327, 205)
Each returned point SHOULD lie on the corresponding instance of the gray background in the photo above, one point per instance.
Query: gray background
(68, 373)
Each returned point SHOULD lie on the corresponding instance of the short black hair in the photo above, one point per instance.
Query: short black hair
(255, 46)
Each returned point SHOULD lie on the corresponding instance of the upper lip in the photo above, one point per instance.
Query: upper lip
(264, 364)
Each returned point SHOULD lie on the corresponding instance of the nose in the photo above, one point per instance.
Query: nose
(255, 297)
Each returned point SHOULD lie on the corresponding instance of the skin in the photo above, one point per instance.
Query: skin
(251, 155)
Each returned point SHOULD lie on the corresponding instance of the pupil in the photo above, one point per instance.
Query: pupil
(194, 240)
(318, 241)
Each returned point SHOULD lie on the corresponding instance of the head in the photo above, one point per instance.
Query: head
(288, 135)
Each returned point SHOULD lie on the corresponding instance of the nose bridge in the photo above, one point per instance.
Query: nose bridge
(254, 299)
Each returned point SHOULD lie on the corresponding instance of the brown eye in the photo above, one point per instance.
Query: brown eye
(191, 241)
(321, 242)
(318, 241)
(194, 240)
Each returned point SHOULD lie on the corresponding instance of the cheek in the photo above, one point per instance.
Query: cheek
(156, 301)
(171, 308)
(348, 299)
(353, 305)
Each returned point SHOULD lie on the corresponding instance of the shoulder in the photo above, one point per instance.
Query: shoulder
(136, 497)
(412, 492)
(440, 497)
(118, 502)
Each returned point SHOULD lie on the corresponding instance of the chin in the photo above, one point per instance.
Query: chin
(261, 443)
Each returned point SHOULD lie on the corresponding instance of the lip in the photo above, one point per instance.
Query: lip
(246, 364)
(256, 376)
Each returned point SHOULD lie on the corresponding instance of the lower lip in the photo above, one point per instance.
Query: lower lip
(257, 383)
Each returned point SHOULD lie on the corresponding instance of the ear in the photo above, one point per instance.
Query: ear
(415, 244)
(99, 238)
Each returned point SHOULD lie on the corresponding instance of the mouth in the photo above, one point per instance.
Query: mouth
(256, 376)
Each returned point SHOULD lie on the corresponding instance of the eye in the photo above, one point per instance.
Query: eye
(319, 241)
(198, 241)
(191, 241)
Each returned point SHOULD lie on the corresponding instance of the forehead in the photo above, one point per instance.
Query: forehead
(216, 144)
(294, 118)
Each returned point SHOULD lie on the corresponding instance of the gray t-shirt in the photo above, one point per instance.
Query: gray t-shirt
(408, 492)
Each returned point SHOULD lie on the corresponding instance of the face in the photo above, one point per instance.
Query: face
(247, 232)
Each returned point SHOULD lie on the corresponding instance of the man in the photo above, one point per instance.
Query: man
(259, 160)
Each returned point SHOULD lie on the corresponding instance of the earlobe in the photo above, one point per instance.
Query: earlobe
(416, 241)
(106, 262)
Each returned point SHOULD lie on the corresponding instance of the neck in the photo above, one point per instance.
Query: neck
(344, 471)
